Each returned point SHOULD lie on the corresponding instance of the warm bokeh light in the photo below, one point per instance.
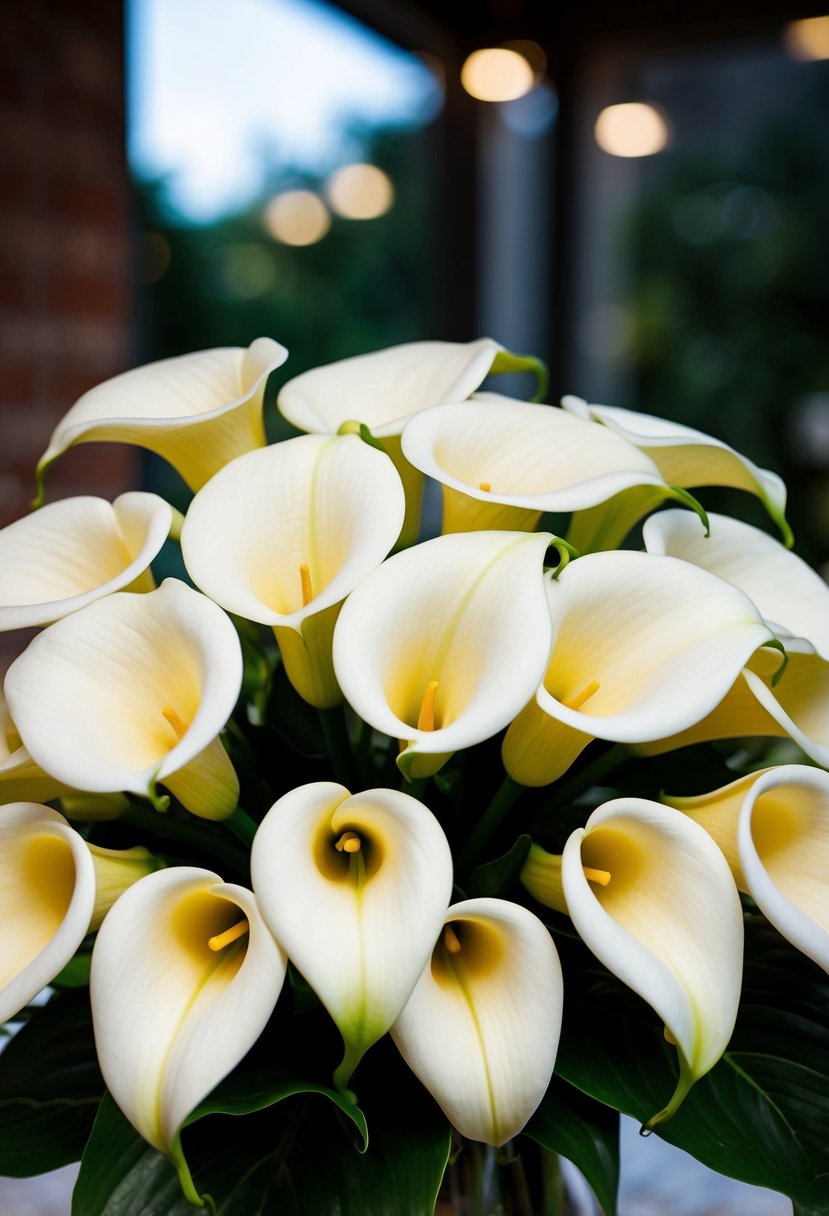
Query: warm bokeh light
(497, 74)
(808, 39)
(297, 217)
(632, 129)
(531, 51)
(359, 192)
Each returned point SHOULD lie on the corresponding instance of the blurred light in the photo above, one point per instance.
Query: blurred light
(632, 129)
(297, 217)
(156, 256)
(808, 428)
(532, 114)
(605, 332)
(807, 39)
(530, 51)
(359, 192)
(497, 74)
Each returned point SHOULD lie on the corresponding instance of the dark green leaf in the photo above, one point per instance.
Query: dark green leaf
(761, 1115)
(585, 1132)
(50, 1087)
(495, 878)
(290, 1155)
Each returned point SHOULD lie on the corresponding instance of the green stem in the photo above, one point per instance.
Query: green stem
(200, 833)
(242, 826)
(338, 745)
(505, 797)
(553, 1185)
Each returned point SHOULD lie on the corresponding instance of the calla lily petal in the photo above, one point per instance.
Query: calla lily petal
(443, 644)
(481, 1028)
(783, 840)
(47, 897)
(718, 812)
(21, 780)
(77, 550)
(686, 457)
(668, 922)
(797, 705)
(789, 594)
(130, 690)
(198, 411)
(175, 1007)
(495, 452)
(639, 642)
(282, 534)
(384, 388)
(355, 888)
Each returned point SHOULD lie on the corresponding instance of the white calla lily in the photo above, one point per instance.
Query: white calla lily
(442, 645)
(502, 462)
(77, 550)
(792, 597)
(282, 535)
(383, 389)
(54, 889)
(773, 828)
(47, 897)
(198, 411)
(688, 458)
(783, 843)
(640, 642)
(653, 898)
(354, 887)
(185, 976)
(765, 702)
(481, 1028)
(131, 690)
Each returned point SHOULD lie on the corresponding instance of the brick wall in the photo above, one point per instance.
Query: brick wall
(66, 281)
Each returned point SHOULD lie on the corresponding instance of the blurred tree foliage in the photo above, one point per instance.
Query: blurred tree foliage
(729, 308)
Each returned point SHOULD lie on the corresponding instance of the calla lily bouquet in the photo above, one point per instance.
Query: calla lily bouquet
(372, 866)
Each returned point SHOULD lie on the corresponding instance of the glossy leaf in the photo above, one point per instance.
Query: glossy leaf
(50, 1087)
(761, 1114)
(585, 1132)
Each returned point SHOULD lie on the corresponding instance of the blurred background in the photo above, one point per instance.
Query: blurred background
(636, 192)
(639, 193)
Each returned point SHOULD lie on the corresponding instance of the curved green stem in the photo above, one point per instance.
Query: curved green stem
(338, 745)
(242, 826)
(505, 797)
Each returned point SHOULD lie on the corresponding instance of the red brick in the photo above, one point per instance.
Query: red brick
(17, 382)
(93, 296)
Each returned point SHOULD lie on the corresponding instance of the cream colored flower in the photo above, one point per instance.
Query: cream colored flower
(77, 550)
(481, 1028)
(282, 535)
(130, 691)
(442, 645)
(653, 898)
(773, 828)
(354, 887)
(198, 411)
(639, 643)
(689, 458)
(185, 976)
(502, 463)
(54, 889)
(789, 594)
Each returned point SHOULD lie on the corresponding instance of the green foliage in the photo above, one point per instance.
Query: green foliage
(50, 1087)
(761, 1114)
